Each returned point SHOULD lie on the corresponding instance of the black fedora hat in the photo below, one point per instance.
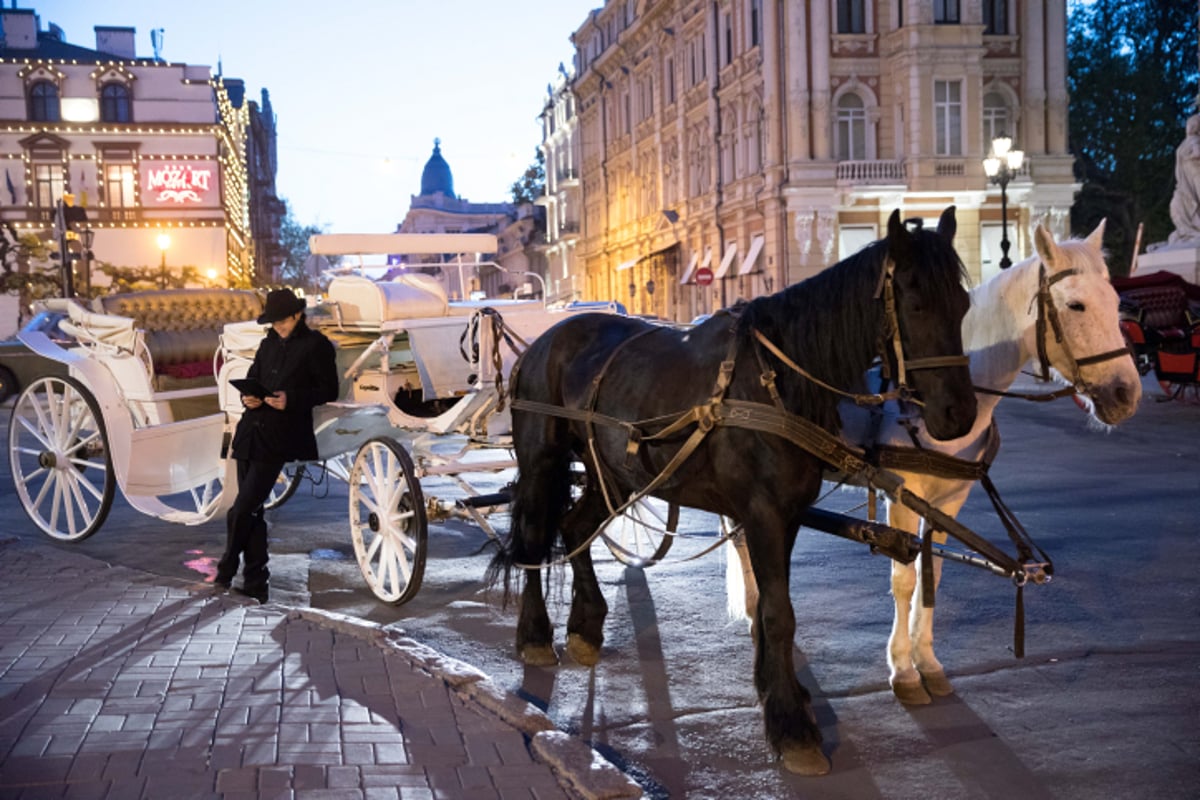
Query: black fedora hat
(281, 304)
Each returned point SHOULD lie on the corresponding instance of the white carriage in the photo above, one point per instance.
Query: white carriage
(148, 407)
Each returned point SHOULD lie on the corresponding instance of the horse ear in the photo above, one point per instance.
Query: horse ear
(1047, 250)
(948, 225)
(895, 229)
(1096, 237)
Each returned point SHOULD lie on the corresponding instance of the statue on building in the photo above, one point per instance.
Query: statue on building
(1185, 205)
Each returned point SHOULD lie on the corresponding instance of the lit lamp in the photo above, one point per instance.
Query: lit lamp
(164, 242)
(1001, 166)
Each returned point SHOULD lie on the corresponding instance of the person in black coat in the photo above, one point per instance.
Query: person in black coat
(298, 366)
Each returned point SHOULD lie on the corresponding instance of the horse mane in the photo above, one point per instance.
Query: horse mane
(831, 323)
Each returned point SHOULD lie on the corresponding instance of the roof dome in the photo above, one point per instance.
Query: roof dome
(436, 177)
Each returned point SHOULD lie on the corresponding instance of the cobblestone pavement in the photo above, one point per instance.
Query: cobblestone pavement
(119, 684)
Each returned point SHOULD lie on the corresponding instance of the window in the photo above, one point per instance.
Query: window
(755, 21)
(850, 18)
(995, 118)
(47, 184)
(118, 185)
(697, 70)
(43, 102)
(727, 24)
(995, 17)
(945, 12)
(947, 110)
(670, 81)
(851, 128)
(114, 103)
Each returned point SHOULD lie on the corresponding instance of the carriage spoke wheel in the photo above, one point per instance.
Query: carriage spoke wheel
(643, 534)
(59, 458)
(387, 520)
(285, 486)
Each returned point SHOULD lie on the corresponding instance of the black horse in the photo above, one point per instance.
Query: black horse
(581, 382)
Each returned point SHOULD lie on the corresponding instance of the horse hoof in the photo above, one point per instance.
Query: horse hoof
(582, 653)
(539, 655)
(911, 694)
(937, 684)
(803, 760)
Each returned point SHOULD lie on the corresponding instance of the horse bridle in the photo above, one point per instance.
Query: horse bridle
(891, 331)
(1047, 322)
(1047, 311)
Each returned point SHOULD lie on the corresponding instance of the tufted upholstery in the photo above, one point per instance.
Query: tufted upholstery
(182, 326)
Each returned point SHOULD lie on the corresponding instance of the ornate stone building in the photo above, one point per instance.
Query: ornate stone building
(150, 147)
(754, 142)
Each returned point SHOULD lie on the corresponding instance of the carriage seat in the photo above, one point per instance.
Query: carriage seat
(364, 303)
(182, 327)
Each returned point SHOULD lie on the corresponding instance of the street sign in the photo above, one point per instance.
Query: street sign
(704, 276)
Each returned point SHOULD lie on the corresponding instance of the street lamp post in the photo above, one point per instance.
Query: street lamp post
(164, 241)
(1001, 166)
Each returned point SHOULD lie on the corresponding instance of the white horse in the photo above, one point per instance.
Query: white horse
(1057, 308)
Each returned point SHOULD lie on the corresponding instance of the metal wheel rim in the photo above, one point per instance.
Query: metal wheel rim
(641, 532)
(285, 486)
(59, 458)
(387, 521)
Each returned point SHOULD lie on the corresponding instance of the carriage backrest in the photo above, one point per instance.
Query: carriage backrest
(364, 303)
(182, 326)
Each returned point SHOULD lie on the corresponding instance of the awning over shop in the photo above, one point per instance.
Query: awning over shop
(691, 267)
(726, 261)
(751, 260)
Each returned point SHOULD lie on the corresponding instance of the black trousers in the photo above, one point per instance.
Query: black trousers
(245, 528)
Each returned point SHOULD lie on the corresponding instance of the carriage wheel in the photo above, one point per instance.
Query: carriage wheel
(58, 454)
(1180, 391)
(285, 486)
(643, 534)
(387, 520)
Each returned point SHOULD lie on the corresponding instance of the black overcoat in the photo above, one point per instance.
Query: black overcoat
(305, 366)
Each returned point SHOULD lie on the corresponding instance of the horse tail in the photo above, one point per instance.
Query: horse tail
(541, 498)
(741, 588)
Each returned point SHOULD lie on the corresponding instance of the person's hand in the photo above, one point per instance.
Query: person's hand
(250, 401)
(277, 401)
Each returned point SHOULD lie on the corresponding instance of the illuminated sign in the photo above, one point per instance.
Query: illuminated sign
(179, 183)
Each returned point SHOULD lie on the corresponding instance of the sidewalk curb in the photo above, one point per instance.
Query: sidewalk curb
(578, 765)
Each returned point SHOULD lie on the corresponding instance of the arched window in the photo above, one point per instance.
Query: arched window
(114, 103)
(851, 128)
(995, 118)
(43, 102)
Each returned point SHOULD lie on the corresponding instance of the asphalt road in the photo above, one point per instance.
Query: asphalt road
(1105, 703)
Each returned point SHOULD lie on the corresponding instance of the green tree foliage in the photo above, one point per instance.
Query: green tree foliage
(532, 184)
(294, 244)
(1132, 77)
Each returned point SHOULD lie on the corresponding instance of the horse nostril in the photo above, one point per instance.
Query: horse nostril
(1122, 396)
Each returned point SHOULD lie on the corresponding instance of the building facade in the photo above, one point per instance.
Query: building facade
(437, 209)
(563, 192)
(751, 143)
(156, 152)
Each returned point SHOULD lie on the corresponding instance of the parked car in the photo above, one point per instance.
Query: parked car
(20, 366)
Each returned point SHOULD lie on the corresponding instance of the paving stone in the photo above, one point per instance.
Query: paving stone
(131, 689)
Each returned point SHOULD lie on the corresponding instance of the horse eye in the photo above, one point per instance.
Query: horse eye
(1075, 305)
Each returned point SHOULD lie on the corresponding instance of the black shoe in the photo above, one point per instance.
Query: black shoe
(258, 593)
(220, 584)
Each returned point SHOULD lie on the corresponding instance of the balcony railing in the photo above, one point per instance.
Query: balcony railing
(870, 172)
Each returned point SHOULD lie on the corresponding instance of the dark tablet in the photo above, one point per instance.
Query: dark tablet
(251, 387)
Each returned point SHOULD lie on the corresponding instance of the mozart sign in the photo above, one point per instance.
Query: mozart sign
(176, 184)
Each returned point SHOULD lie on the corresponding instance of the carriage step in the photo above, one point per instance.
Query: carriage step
(485, 500)
(892, 542)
